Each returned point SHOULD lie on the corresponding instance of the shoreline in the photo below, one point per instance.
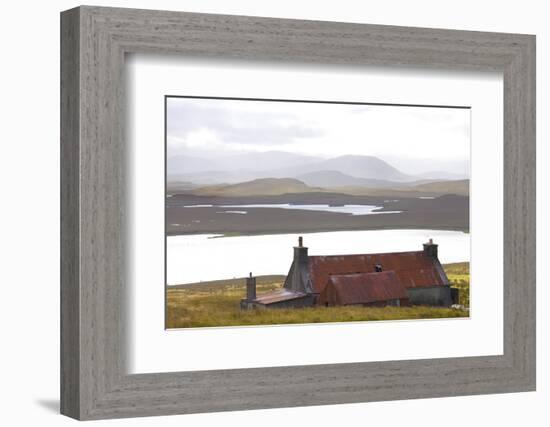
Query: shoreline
(223, 234)
(272, 254)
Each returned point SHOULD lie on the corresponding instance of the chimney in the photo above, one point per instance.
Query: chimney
(431, 248)
(298, 277)
(250, 288)
(300, 252)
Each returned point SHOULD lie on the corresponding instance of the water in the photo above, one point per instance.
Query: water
(195, 258)
(347, 209)
(234, 212)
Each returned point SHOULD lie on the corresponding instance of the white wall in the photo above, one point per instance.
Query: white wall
(29, 168)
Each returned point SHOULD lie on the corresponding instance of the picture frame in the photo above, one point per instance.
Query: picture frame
(94, 381)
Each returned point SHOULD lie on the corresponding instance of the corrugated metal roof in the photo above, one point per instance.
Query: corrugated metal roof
(414, 269)
(279, 296)
(364, 288)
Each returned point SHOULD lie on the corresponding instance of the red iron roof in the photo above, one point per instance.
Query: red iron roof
(413, 269)
(365, 288)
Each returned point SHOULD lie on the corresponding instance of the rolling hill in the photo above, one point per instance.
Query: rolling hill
(460, 187)
(280, 186)
(264, 187)
(331, 179)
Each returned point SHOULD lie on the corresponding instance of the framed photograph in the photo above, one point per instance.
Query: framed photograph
(261, 213)
(244, 176)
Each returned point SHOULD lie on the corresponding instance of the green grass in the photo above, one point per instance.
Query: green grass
(216, 303)
(459, 276)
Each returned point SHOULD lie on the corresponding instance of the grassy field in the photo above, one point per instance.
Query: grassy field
(459, 276)
(216, 303)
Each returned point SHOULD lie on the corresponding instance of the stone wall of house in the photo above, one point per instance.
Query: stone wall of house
(434, 296)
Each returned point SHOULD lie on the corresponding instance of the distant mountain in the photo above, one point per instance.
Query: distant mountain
(182, 164)
(332, 178)
(340, 171)
(264, 187)
(214, 177)
(366, 167)
(246, 162)
(369, 167)
(265, 161)
(442, 175)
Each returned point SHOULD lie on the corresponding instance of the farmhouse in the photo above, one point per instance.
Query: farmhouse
(395, 279)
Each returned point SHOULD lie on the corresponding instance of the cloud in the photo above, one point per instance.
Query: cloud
(428, 137)
(235, 123)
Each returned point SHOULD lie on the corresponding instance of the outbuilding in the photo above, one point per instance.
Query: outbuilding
(366, 289)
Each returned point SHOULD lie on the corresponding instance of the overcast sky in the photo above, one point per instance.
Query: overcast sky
(413, 139)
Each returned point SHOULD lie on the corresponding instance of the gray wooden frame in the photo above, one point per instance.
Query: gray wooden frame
(94, 40)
